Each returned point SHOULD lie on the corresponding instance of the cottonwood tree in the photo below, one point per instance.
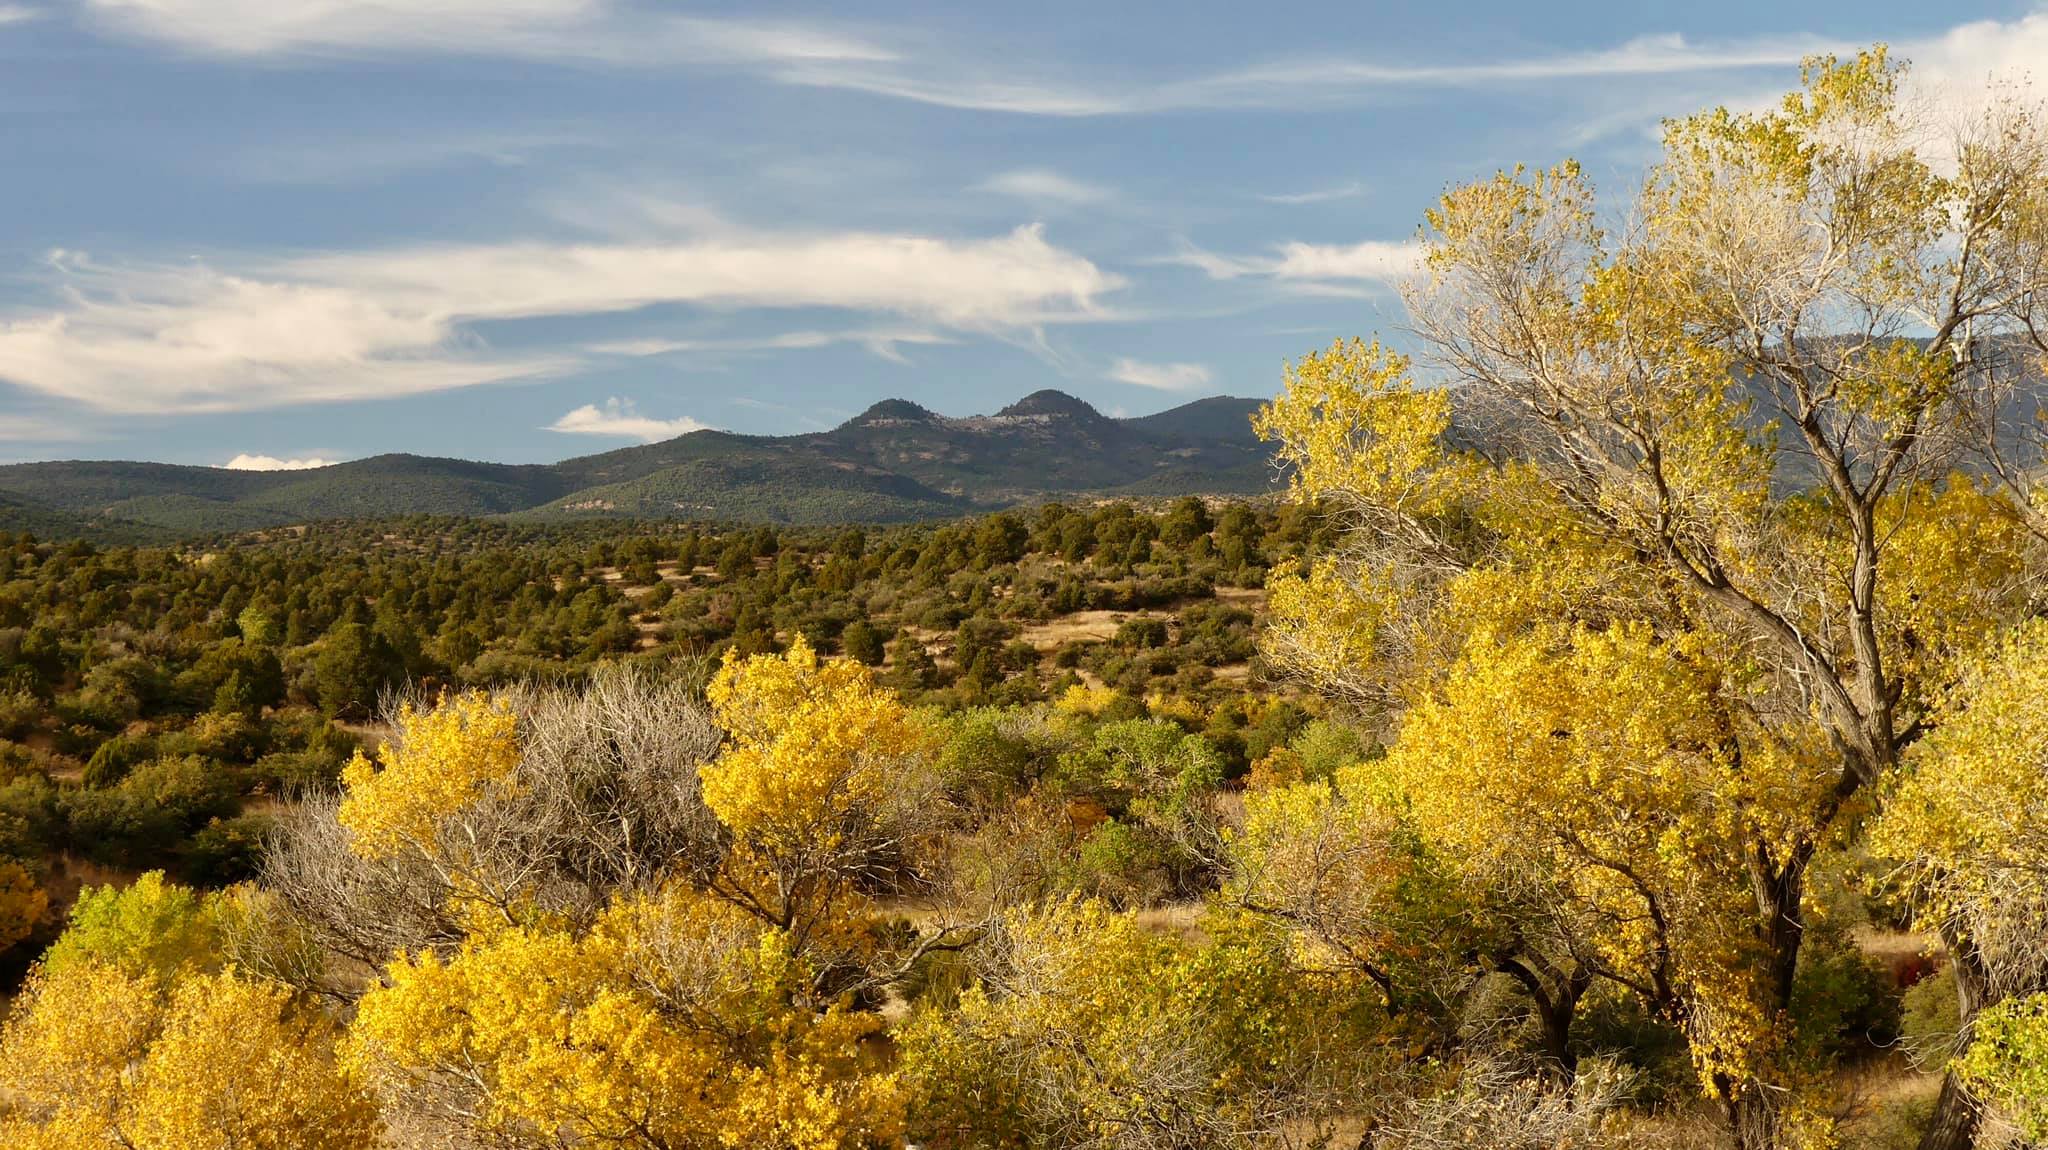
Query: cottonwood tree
(1967, 824)
(1341, 862)
(1670, 578)
(1084, 1028)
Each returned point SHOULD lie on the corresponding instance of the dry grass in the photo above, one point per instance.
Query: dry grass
(1083, 626)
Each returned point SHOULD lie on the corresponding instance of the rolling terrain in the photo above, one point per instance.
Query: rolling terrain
(895, 462)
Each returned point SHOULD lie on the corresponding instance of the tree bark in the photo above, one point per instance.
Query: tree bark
(1751, 1108)
(1753, 1119)
(1957, 1114)
(1556, 994)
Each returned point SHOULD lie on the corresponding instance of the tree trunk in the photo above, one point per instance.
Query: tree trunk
(1753, 1118)
(1752, 1108)
(1556, 994)
(1956, 1113)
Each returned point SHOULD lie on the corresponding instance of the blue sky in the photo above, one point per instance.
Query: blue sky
(528, 229)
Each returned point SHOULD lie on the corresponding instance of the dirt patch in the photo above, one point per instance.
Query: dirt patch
(1250, 598)
(1083, 626)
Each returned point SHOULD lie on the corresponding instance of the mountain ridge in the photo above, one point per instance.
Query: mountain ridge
(897, 461)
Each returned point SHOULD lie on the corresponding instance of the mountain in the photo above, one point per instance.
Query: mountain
(894, 462)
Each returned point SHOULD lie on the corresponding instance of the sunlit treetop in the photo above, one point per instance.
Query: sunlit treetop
(812, 743)
(445, 758)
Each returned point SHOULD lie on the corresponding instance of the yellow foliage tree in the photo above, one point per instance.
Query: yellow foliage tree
(1678, 570)
(1088, 1029)
(445, 759)
(815, 783)
(95, 1055)
(676, 1021)
(1968, 826)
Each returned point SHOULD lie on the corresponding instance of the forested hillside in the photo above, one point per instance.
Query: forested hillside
(895, 463)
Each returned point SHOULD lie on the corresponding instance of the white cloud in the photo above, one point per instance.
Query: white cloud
(17, 14)
(594, 30)
(1042, 185)
(1951, 76)
(156, 340)
(886, 343)
(620, 419)
(1290, 83)
(1319, 195)
(837, 56)
(1293, 82)
(1335, 268)
(1160, 376)
(247, 462)
(1953, 71)
(1013, 280)
(1370, 260)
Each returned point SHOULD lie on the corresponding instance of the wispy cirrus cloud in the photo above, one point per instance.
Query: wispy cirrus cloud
(1348, 191)
(884, 62)
(1329, 81)
(155, 339)
(621, 419)
(1320, 268)
(1160, 376)
(595, 31)
(17, 14)
(903, 64)
(886, 343)
(1043, 185)
(249, 462)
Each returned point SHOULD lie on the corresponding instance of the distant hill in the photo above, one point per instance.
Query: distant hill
(894, 462)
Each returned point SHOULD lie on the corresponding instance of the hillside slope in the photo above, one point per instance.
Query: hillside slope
(895, 462)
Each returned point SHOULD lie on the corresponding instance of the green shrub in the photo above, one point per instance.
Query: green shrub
(113, 759)
(1930, 1020)
(1843, 1001)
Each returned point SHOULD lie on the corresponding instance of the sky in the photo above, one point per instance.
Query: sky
(279, 232)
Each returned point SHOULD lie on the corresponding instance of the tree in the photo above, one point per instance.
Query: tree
(1085, 1029)
(549, 802)
(1339, 861)
(1698, 455)
(571, 946)
(676, 1020)
(450, 756)
(1967, 825)
(1187, 521)
(354, 666)
(2007, 1061)
(912, 667)
(1000, 539)
(822, 786)
(22, 904)
(135, 1031)
(862, 643)
(149, 927)
(97, 1055)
